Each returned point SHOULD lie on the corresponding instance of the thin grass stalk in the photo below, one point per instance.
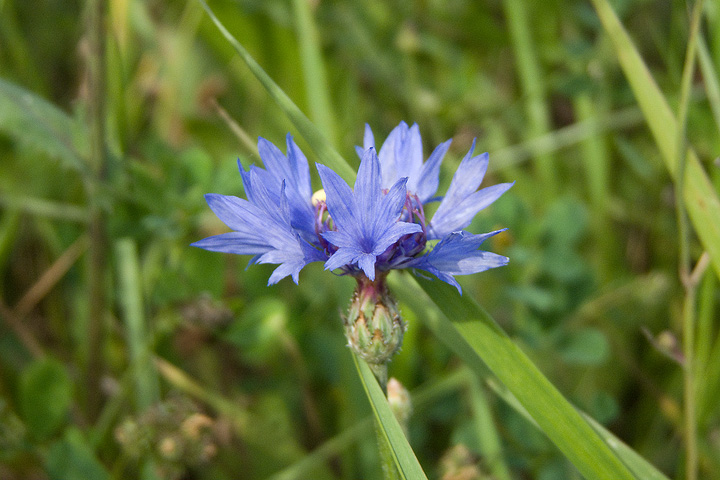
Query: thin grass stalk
(532, 87)
(597, 170)
(705, 337)
(96, 10)
(316, 85)
(489, 440)
(323, 149)
(147, 387)
(710, 79)
(689, 318)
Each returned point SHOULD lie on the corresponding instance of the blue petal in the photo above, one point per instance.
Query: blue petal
(233, 242)
(366, 219)
(343, 256)
(294, 170)
(342, 211)
(368, 139)
(463, 201)
(460, 214)
(263, 228)
(367, 263)
(236, 213)
(401, 156)
(408, 152)
(458, 254)
(368, 192)
(426, 183)
(386, 155)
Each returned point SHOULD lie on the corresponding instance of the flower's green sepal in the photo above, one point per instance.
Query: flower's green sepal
(373, 326)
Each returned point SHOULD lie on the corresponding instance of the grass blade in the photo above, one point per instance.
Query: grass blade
(701, 199)
(316, 85)
(555, 416)
(147, 385)
(405, 460)
(41, 125)
(323, 149)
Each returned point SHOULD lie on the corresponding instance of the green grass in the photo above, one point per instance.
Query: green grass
(587, 358)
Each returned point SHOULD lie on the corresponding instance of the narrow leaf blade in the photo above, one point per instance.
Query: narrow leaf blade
(320, 145)
(405, 460)
(701, 200)
(30, 119)
(555, 416)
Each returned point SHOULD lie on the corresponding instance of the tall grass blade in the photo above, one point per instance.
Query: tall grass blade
(147, 386)
(42, 126)
(407, 464)
(701, 200)
(555, 416)
(323, 149)
(316, 86)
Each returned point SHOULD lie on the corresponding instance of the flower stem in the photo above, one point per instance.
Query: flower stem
(690, 284)
(381, 373)
(96, 227)
(387, 463)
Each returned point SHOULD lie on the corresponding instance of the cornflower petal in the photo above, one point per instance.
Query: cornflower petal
(408, 153)
(368, 140)
(425, 184)
(366, 219)
(293, 169)
(462, 201)
(233, 242)
(458, 254)
(276, 222)
(234, 212)
(401, 156)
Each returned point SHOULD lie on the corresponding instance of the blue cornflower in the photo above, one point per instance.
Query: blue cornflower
(457, 252)
(377, 226)
(276, 223)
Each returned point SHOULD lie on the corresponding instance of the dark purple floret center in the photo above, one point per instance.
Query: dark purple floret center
(396, 255)
(407, 246)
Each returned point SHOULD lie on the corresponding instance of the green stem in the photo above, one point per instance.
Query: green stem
(381, 373)
(316, 85)
(96, 228)
(531, 82)
(688, 324)
(387, 461)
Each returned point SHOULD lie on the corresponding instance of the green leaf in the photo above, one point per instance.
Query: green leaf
(72, 459)
(442, 328)
(41, 125)
(555, 416)
(405, 460)
(701, 200)
(45, 395)
(320, 145)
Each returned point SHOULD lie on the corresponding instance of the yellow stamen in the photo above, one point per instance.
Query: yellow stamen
(318, 197)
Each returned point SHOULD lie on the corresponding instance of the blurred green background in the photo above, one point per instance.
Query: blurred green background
(125, 353)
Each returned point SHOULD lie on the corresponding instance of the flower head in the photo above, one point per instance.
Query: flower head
(377, 226)
(276, 222)
(457, 252)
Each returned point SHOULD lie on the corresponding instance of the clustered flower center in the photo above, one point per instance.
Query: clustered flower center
(402, 251)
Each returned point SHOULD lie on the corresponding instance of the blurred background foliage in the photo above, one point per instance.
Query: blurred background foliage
(157, 360)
